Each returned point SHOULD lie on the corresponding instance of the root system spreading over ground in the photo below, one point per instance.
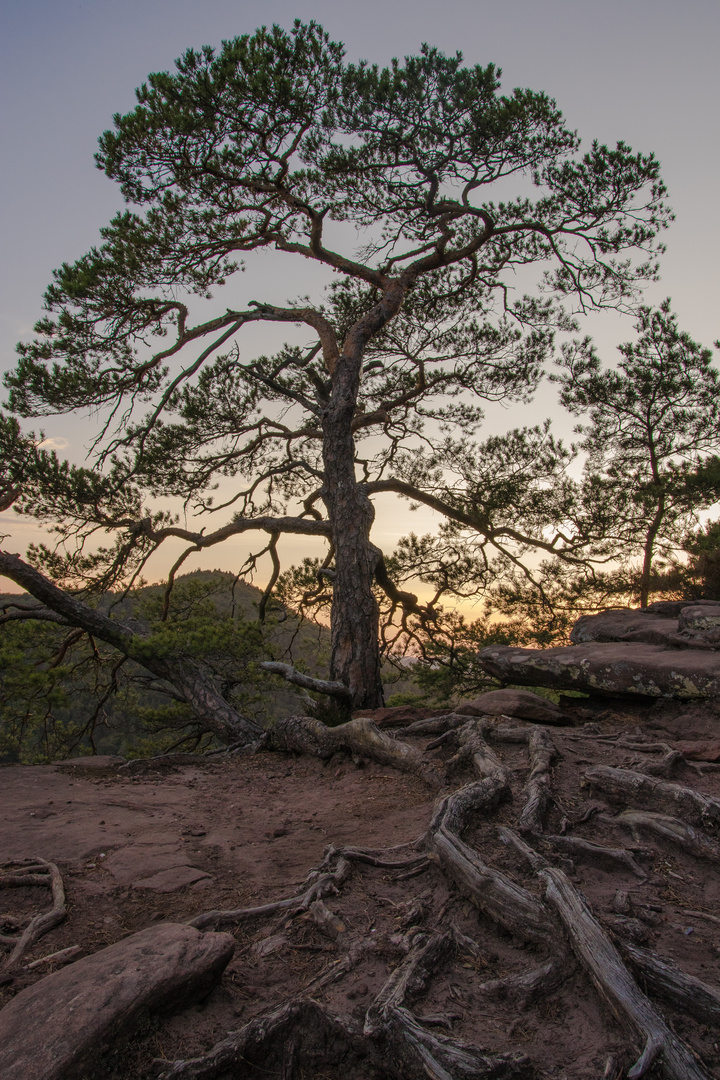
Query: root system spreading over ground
(467, 897)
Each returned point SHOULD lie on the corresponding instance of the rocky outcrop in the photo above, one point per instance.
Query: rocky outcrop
(58, 1027)
(676, 623)
(615, 668)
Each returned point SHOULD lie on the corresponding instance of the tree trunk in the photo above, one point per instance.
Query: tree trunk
(354, 623)
(649, 549)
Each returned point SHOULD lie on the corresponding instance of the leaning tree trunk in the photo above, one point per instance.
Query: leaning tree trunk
(354, 622)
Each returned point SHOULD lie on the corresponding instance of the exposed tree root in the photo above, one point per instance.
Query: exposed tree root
(702, 915)
(669, 763)
(318, 886)
(393, 1042)
(266, 1041)
(391, 1039)
(435, 725)
(32, 872)
(597, 953)
(57, 959)
(475, 751)
(542, 753)
(574, 845)
(360, 737)
(629, 786)
(672, 829)
(409, 1048)
(665, 980)
(492, 891)
(600, 958)
(529, 985)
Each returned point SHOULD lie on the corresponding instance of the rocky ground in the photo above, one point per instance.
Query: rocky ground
(416, 951)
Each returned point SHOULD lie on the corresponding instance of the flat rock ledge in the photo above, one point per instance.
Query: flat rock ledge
(613, 668)
(58, 1027)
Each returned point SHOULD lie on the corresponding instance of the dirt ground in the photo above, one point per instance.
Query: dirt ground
(168, 844)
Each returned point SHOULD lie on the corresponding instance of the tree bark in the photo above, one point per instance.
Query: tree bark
(355, 618)
(354, 622)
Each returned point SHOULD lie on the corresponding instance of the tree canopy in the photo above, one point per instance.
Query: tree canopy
(426, 196)
(652, 438)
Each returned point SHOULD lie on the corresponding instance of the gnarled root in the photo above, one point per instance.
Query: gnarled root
(361, 737)
(672, 829)
(33, 872)
(665, 980)
(575, 845)
(409, 1049)
(598, 955)
(600, 958)
(527, 986)
(537, 790)
(435, 725)
(302, 1034)
(632, 786)
(318, 886)
(474, 749)
(493, 892)
(299, 1033)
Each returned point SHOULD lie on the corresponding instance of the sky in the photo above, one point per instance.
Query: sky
(644, 71)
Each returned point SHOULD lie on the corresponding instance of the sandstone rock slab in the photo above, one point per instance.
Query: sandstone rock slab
(614, 668)
(56, 1028)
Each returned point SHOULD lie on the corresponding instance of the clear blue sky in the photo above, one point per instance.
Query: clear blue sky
(645, 71)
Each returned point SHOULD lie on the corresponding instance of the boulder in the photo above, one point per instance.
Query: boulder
(519, 703)
(672, 608)
(58, 1027)
(615, 668)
